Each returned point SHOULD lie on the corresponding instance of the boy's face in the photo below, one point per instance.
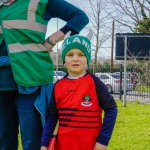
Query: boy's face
(75, 62)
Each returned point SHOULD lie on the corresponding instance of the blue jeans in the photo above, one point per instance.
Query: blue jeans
(18, 110)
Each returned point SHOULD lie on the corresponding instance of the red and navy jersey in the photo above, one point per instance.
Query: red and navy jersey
(78, 104)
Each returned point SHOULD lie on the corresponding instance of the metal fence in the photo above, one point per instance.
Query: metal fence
(140, 81)
(137, 83)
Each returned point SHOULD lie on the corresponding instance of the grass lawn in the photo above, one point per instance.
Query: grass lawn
(132, 130)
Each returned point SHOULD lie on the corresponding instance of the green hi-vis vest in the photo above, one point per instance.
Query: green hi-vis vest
(23, 27)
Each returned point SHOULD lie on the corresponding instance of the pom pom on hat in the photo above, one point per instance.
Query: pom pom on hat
(79, 42)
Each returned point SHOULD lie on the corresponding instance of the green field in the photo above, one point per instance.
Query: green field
(132, 130)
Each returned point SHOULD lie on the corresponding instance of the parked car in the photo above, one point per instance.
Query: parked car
(128, 74)
(133, 76)
(58, 75)
(113, 82)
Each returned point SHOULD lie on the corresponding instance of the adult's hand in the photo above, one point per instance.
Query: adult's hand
(55, 37)
(48, 46)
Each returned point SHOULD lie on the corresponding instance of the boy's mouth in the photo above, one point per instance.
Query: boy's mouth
(75, 65)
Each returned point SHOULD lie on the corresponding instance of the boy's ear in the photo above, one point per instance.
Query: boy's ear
(90, 34)
(67, 35)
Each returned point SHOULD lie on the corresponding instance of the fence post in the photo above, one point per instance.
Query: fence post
(120, 93)
(125, 71)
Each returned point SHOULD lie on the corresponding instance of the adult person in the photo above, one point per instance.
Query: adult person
(26, 69)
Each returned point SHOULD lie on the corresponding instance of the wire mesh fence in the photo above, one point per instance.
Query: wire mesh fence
(137, 83)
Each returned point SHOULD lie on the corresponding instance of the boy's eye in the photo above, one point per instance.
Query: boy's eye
(81, 54)
(73, 54)
(69, 54)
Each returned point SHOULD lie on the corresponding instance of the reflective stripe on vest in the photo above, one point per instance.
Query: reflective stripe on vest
(19, 48)
(24, 31)
(24, 24)
(1, 32)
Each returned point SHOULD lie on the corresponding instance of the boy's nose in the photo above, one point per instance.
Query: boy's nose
(75, 57)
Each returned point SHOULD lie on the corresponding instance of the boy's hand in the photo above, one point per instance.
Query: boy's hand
(99, 146)
(43, 148)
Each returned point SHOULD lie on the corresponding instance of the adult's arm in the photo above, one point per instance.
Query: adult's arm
(74, 17)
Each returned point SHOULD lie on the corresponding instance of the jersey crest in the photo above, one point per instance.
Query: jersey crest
(86, 101)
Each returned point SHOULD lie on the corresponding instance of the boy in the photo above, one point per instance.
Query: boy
(78, 100)
(26, 68)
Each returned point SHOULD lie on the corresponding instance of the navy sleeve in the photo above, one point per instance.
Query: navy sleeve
(107, 126)
(76, 19)
(108, 104)
(50, 124)
(66, 29)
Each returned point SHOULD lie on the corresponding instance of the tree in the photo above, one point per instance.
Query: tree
(129, 13)
(100, 24)
(135, 16)
(143, 26)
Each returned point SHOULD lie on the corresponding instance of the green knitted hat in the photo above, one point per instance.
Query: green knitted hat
(79, 42)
